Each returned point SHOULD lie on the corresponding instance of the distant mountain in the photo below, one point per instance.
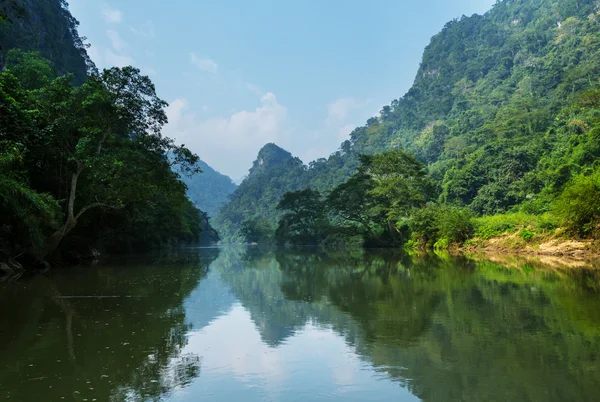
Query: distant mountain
(209, 190)
(274, 172)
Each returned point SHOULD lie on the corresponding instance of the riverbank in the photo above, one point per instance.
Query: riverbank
(548, 245)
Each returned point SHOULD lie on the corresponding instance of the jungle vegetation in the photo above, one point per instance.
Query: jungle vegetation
(500, 130)
(83, 163)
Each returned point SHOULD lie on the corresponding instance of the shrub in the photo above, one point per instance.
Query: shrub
(490, 226)
(526, 234)
(579, 204)
(423, 226)
(455, 224)
(440, 226)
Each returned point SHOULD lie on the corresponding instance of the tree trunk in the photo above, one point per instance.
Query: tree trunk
(54, 240)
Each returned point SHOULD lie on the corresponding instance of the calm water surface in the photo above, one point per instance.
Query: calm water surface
(251, 325)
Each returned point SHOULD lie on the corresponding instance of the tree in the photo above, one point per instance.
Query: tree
(304, 220)
(400, 183)
(32, 70)
(108, 130)
(352, 205)
(579, 204)
(257, 231)
(25, 214)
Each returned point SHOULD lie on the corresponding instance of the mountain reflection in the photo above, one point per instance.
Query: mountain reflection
(447, 329)
(248, 324)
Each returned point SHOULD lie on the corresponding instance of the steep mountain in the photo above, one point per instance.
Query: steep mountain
(497, 111)
(273, 173)
(48, 27)
(209, 190)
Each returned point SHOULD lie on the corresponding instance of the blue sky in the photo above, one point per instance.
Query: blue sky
(240, 73)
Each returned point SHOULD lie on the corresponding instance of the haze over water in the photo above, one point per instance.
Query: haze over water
(245, 324)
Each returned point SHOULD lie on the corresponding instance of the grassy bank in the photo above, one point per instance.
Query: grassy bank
(529, 234)
(517, 233)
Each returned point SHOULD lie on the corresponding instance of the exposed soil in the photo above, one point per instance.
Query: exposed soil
(542, 247)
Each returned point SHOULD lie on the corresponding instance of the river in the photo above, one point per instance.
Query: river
(245, 324)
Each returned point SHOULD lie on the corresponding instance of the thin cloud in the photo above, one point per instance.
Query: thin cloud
(204, 64)
(106, 58)
(112, 15)
(147, 30)
(254, 88)
(117, 42)
(341, 109)
(229, 143)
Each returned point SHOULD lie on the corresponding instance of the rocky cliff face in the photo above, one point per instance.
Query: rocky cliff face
(48, 27)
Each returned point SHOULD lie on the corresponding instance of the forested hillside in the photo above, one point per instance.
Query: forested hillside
(210, 190)
(273, 173)
(503, 114)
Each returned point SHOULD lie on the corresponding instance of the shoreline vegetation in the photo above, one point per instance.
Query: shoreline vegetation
(495, 146)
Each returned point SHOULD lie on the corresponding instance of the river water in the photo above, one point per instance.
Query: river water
(244, 324)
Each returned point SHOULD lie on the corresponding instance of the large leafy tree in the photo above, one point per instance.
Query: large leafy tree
(108, 133)
(400, 181)
(304, 219)
(257, 231)
(95, 152)
(382, 194)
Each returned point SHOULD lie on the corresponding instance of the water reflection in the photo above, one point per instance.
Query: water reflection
(108, 333)
(254, 325)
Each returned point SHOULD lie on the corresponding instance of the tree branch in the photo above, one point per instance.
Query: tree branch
(96, 205)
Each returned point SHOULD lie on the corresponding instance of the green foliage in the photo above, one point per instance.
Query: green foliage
(455, 224)
(352, 206)
(25, 214)
(274, 173)
(304, 221)
(579, 204)
(526, 234)
(490, 226)
(32, 70)
(98, 148)
(400, 182)
(257, 231)
(440, 226)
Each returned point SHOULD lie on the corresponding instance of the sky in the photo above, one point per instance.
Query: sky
(238, 74)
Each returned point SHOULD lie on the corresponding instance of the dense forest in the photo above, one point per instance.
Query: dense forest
(501, 129)
(84, 166)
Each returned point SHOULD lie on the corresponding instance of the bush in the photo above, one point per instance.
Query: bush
(455, 224)
(526, 234)
(440, 226)
(423, 226)
(490, 226)
(579, 204)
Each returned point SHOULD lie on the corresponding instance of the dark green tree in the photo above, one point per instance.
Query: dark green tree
(304, 220)
(257, 231)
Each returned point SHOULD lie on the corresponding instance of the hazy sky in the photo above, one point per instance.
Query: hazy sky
(240, 73)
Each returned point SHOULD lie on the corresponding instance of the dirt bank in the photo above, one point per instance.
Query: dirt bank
(555, 246)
